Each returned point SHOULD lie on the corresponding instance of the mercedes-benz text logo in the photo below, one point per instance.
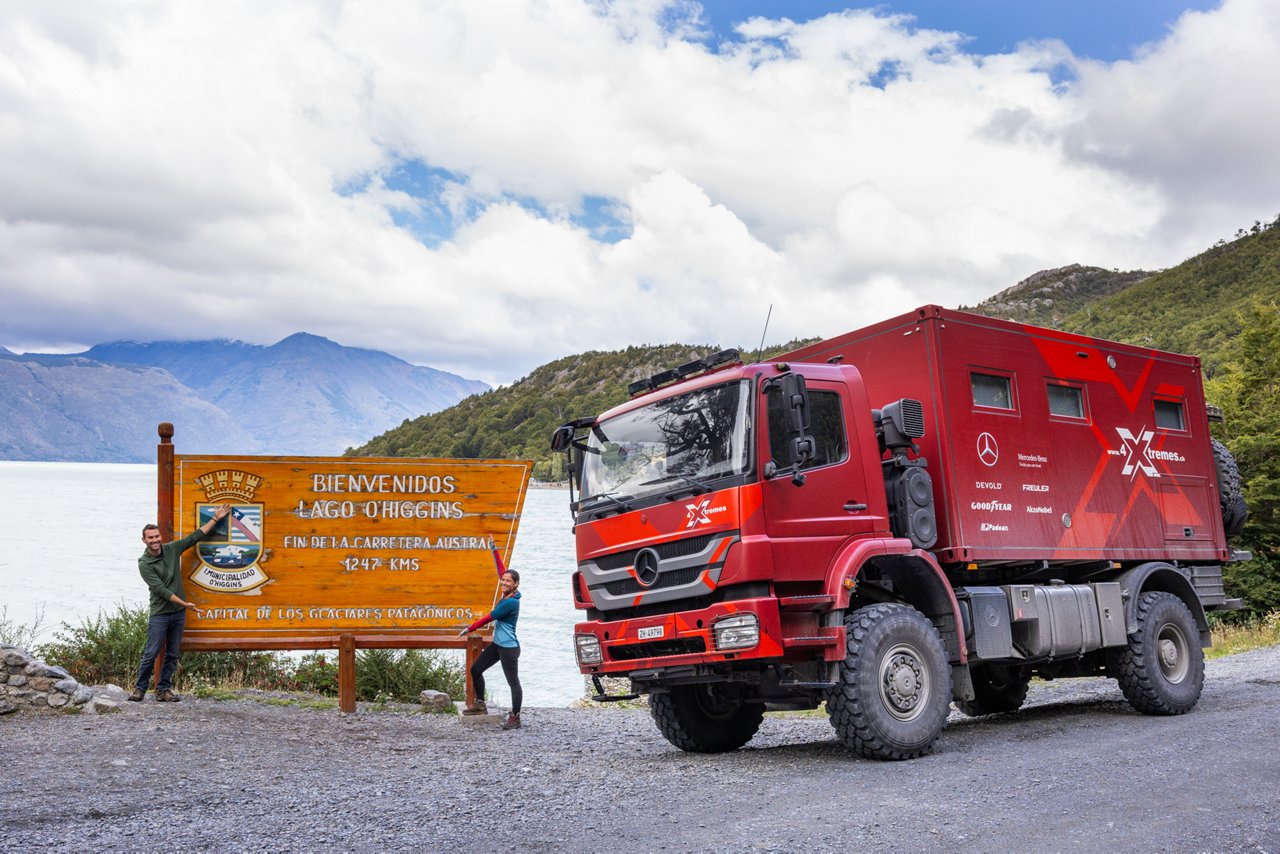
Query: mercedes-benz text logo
(646, 566)
(988, 450)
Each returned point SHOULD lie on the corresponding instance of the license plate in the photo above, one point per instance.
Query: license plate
(651, 632)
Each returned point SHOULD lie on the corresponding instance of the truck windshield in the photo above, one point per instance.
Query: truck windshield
(686, 440)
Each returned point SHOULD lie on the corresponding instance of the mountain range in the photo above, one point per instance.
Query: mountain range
(304, 395)
(307, 395)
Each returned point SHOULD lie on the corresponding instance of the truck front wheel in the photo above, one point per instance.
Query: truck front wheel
(996, 689)
(895, 685)
(1161, 671)
(706, 718)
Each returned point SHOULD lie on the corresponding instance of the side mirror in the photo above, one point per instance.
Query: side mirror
(795, 400)
(562, 438)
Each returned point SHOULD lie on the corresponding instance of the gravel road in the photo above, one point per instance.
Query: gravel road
(1075, 769)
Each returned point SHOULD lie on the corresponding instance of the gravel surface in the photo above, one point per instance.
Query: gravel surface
(1075, 769)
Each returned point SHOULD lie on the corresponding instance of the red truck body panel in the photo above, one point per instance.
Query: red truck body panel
(1016, 482)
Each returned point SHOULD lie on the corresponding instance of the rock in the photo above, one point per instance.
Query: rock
(17, 658)
(39, 668)
(82, 695)
(7, 708)
(40, 683)
(57, 701)
(495, 718)
(435, 701)
(4, 676)
(38, 699)
(104, 705)
(110, 692)
(18, 680)
(67, 686)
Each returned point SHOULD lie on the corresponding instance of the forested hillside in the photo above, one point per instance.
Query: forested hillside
(1047, 298)
(515, 422)
(1196, 307)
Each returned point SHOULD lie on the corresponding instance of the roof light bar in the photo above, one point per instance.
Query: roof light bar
(688, 369)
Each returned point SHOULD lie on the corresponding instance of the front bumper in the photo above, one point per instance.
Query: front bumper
(683, 638)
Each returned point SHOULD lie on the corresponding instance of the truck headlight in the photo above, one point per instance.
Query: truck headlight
(588, 649)
(741, 631)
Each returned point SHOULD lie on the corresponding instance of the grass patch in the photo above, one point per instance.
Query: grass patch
(214, 692)
(1229, 638)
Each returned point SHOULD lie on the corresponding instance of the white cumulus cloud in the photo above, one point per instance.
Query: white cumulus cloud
(228, 169)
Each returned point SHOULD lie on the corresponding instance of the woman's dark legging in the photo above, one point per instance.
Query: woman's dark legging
(510, 658)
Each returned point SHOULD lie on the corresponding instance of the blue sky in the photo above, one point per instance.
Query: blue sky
(1098, 29)
(486, 186)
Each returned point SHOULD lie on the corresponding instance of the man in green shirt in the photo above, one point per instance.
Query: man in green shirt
(161, 567)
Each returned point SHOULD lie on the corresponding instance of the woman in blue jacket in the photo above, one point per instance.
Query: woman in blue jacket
(505, 647)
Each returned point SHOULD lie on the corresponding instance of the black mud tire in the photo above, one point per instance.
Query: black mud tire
(707, 718)
(1161, 670)
(1230, 494)
(895, 684)
(996, 689)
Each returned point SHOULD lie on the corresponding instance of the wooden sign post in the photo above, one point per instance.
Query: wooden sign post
(340, 553)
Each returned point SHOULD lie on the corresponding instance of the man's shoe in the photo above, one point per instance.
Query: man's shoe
(513, 722)
(476, 708)
(168, 697)
(136, 696)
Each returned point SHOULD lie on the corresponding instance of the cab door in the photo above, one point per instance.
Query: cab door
(808, 523)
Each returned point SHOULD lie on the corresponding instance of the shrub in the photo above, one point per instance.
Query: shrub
(108, 648)
(404, 674)
(316, 673)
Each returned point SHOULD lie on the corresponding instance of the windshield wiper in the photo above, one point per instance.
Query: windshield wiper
(616, 502)
(698, 485)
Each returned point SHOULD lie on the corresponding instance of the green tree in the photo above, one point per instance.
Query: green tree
(1248, 390)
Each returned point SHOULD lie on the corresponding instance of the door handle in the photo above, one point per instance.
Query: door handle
(854, 507)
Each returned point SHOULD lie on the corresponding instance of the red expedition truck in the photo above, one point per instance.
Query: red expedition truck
(934, 508)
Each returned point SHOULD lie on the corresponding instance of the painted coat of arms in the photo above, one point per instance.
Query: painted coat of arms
(231, 555)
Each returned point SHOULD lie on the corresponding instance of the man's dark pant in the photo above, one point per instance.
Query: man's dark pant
(166, 629)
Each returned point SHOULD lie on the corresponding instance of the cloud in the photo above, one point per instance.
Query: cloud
(197, 170)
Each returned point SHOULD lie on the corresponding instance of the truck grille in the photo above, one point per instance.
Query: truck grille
(657, 649)
(667, 579)
(666, 551)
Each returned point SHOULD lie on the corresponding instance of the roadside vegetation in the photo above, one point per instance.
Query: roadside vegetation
(1230, 638)
(108, 648)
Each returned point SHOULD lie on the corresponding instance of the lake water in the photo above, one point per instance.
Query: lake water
(71, 533)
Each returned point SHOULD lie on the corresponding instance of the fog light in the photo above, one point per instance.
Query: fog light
(741, 631)
(588, 649)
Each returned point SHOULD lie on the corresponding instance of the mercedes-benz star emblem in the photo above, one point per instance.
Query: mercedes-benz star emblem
(988, 450)
(646, 567)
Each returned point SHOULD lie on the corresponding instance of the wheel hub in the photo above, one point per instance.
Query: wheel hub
(903, 683)
(1174, 653)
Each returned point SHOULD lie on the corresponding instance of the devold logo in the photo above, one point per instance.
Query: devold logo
(1137, 453)
(988, 450)
(700, 513)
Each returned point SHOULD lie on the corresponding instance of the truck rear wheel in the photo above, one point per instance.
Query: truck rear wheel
(1161, 671)
(996, 689)
(707, 718)
(895, 685)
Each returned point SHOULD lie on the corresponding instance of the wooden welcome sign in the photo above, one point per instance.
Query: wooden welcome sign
(339, 552)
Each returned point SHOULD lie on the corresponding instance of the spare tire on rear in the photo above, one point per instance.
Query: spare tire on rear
(1230, 495)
